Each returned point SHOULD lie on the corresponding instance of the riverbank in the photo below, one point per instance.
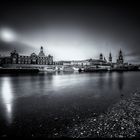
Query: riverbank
(120, 121)
(15, 71)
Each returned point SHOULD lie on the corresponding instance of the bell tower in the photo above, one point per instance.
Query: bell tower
(41, 53)
(41, 49)
(110, 57)
(101, 56)
(120, 57)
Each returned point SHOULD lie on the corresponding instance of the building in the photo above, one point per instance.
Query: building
(22, 60)
(120, 59)
(101, 61)
(80, 63)
(110, 58)
(101, 57)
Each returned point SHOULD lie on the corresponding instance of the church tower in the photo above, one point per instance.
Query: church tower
(41, 53)
(101, 56)
(120, 57)
(110, 58)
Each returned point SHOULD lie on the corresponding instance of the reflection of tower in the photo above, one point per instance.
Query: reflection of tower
(120, 81)
(110, 80)
(101, 81)
(101, 56)
(120, 58)
(110, 58)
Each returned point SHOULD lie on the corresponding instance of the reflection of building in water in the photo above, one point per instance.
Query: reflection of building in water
(7, 98)
(101, 80)
(120, 81)
(33, 59)
(110, 80)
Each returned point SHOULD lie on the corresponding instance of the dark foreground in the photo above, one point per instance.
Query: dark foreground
(121, 120)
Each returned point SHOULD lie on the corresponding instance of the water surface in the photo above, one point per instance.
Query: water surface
(45, 104)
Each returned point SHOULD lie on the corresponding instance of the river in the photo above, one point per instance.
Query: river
(46, 104)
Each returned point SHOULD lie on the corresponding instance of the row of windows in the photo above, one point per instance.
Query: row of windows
(33, 63)
(30, 62)
(33, 59)
(42, 58)
(30, 57)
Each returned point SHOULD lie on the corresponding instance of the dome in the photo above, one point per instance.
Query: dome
(33, 55)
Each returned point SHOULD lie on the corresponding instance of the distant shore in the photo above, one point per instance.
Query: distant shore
(120, 121)
(36, 70)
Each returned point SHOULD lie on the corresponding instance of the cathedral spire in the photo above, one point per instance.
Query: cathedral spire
(101, 56)
(41, 49)
(120, 57)
(41, 53)
(110, 57)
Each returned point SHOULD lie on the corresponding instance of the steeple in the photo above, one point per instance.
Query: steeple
(101, 56)
(120, 57)
(41, 49)
(110, 57)
(41, 53)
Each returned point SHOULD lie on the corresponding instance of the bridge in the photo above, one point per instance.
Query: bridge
(36, 66)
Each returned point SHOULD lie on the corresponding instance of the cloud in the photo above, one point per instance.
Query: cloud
(20, 47)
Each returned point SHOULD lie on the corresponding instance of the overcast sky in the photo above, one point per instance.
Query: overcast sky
(71, 32)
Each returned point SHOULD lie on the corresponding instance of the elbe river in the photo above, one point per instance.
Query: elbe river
(46, 103)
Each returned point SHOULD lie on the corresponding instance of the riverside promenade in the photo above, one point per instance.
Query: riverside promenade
(122, 120)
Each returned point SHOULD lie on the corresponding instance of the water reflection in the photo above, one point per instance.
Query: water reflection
(110, 80)
(101, 79)
(67, 94)
(7, 97)
(120, 81)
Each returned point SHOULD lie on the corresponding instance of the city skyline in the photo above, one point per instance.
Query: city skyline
(69, 69)
(71, 32)
(43, 54)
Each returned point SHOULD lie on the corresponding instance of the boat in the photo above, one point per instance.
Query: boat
(47, 69)
(76, 68)
(59, 69)
(50, 69)
(68, 68)
(81, 69)
(94, 69)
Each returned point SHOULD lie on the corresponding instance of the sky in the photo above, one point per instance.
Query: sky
(73, 31)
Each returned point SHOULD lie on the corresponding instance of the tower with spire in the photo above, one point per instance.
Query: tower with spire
(101, 56)
(120, 59)
(41, 53)
(110, 58)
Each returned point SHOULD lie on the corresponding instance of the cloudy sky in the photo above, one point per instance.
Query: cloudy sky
(71, 31)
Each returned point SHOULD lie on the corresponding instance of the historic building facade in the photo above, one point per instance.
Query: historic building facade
(33, 59)
(41, 60)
